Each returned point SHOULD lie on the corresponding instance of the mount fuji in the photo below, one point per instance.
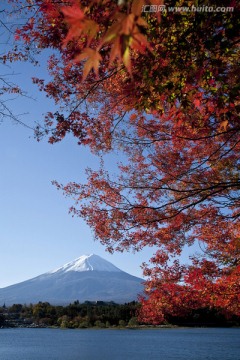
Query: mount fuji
(88, 278)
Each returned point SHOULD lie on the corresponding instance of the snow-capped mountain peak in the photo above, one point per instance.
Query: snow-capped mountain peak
(88, 278)
(90, 262)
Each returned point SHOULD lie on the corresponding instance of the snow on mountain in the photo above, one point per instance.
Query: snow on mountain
(87, 278)
(87, 263)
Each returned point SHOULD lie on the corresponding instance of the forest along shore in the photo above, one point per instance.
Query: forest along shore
(101, 314)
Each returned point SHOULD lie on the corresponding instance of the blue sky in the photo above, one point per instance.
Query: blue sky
(36, 232)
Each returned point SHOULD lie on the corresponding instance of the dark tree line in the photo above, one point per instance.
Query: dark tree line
(101, 315)
(75, 315)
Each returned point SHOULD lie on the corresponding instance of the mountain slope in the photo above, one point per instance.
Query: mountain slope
(86, 278)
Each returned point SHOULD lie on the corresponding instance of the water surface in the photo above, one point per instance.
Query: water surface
(88, 344)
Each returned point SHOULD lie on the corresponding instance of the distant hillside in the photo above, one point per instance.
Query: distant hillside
(87, 278)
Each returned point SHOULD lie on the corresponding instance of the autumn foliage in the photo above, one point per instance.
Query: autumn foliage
(163, 91)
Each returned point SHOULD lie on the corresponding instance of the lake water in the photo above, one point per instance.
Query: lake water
(88, 344)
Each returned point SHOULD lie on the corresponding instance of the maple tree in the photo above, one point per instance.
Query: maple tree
(163, 91)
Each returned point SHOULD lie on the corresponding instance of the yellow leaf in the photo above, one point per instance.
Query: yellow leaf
(127, 59)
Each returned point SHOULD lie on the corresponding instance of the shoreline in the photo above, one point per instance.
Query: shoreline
(140, 327)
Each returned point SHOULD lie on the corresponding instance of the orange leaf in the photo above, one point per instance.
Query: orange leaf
(91, 29)
(111, 33)
(137, 7)
(73, 14)
(127, 24)
(157, 3)
(93, 60)
(223, 125)
(140, 21)
(74, 17)
(140, 43)
(115, 50)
